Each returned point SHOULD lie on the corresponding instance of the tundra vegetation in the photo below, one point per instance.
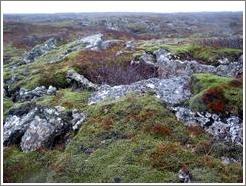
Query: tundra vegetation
(123, 97)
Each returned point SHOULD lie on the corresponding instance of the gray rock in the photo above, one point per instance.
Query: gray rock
(27, 95)
(172, 91)
(130, 45)
(78, 119)
(171, 68)
(39, 50)
(228, 129)
(80, 80)
(184, 175)
(232, 69)
(110, 43)
(93, 42)
(39, 127)
(147, 59)
(51, 90)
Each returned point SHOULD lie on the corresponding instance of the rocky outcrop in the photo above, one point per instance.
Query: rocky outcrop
(27, 95)
(232, 69)
(169, 67)
(171, 91)
(39, 50)
(93, 42)
(35, 126)
(229, 129)
(79, 81)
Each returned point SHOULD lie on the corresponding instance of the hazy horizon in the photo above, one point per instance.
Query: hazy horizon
(58, 7)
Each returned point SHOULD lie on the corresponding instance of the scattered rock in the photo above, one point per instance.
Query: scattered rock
(232, 69)
(229, 129)
(78, 119)
(27, 95)
(39, 126)
(172, 91)
(184, 175)
(39, 50)
(79, 81)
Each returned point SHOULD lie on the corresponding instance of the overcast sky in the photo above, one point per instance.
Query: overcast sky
(119, 6)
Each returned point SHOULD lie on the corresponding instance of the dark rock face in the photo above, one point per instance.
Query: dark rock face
(172, 91)
(39, 126)
(228, 129)
(39, 50)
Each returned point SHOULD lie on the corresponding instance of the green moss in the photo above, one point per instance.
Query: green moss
(119, 142)
(202, 81)
(216, 94)
(67, 98)
(7, 104)
(26, 167)
(209, 55)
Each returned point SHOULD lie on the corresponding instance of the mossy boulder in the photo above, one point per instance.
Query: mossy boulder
(217, 94)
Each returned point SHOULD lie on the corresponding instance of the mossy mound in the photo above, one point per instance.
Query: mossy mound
(134, 140)
(204, 54)
(217, 94)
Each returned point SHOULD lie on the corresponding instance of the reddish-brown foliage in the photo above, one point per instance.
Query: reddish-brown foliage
(214, 99)
(161, 130)
(195, 130)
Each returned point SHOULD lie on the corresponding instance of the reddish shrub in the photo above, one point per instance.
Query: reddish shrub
(214, 99)
(161, 130)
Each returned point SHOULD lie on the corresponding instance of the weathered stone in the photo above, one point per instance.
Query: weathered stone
(78, 119)
(80, 80)
(172, 91)
(232, 69)
(110, 43)
(27, 95)
(169, 67)
(38, 127)
(93, 42)
(229, 129)
(39, 50)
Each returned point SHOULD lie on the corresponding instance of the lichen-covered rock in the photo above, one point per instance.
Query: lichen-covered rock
(93, 42)
(39, 50)
(229, 129)
(79, 80)
(172, 91)
(232, 69)
(38, 127)
(27, 95)
(78, 119)
(169, 67)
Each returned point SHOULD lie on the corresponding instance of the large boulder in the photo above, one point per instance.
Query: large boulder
(38, 126)
(39, 50)
(79, 81)
(171, 91)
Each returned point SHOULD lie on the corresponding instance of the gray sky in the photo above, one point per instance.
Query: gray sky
(119, 6)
